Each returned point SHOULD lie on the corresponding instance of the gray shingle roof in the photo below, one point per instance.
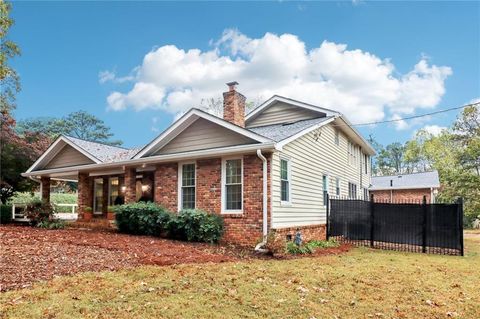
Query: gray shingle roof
(415, 180)
(103, 152)
(279, 132)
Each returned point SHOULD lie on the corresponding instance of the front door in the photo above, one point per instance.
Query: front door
(98, 196)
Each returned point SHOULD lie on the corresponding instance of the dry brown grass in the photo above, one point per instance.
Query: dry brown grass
(363, 283)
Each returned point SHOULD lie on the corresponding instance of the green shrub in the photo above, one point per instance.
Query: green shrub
(196, 225)
(37, 211)
(52, 224)
(5, 214)
(309, 247)
(142, 219)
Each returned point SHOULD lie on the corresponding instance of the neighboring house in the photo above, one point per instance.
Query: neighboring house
(406, 187)
(268, 170)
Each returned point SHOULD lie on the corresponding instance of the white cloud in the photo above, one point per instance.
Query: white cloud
(435, 130)
(361, 85)
(111, 76)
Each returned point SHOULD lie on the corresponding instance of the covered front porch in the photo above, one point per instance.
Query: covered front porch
(99, 190)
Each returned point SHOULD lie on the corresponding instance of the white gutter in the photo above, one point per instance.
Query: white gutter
(215, 152)
(264, 205)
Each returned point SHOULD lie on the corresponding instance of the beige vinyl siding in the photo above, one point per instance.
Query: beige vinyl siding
(68, 156)
(282, 113)
(203, 134)
(312, 156)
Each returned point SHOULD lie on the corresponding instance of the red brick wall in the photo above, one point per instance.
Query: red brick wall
(208, 185)
(130, 186)
(45, 188)
(242, 229)
(402, 195)
(85, 193)
(166, 176)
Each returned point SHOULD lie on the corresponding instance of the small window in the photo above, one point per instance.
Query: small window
(285, 180)
(365, 193)
(337, 137)
(188, 186)
(366, 163)
(337, 186)
(352, 190)
(325, 188)
(233, 185)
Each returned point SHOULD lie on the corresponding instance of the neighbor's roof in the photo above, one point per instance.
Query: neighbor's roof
(406, 181)
(279, 132)
(103, 152)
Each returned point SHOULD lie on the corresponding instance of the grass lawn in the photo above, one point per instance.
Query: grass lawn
(363, 283)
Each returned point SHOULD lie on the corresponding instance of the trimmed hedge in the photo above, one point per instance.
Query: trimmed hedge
(196, 225)
(142, 219)
(5, 214)
(151, 219)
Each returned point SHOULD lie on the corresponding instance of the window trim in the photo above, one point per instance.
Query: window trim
(179, 183)
(356, 190)
(289, 175)
(338, 189)
(327, 184)
(223, 193)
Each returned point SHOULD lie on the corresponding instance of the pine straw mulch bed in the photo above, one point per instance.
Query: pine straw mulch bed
(30, 254)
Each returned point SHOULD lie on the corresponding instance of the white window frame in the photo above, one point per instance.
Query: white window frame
(110, 189)
(289, 175)
(180, 181)
(95, 197)
(327, 182)
(224, 188)
(356, 190)
(336, 138)
(338, 187)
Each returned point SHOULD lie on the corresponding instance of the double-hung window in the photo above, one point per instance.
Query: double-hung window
(232, 185)
(352, 190)
(187, 189)
(285, 181)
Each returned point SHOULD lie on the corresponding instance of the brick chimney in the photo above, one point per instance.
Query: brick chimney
(234, 105)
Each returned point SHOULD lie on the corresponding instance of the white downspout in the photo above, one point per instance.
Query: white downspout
(265, 203)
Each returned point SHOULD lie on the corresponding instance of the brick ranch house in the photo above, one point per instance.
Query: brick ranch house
(265, 171)
(406, 187)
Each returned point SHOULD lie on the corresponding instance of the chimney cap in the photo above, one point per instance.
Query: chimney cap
(232, 85)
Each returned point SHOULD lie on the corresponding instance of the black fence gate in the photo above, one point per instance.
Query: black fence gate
(417, 227)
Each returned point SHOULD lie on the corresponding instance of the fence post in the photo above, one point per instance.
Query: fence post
(372, 220)
(460, 222)
(327, 226)
(424, 232)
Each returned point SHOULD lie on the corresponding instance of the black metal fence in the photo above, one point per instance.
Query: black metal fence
(405, 226)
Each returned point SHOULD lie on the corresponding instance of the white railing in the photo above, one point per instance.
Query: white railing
(18, 214)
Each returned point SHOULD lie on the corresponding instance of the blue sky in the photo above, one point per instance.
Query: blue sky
(400, 59)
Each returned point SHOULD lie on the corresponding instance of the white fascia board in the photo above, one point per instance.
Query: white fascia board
(277, 98)
(215, 152)
(52, 147)
(187, 119)
(292, 138)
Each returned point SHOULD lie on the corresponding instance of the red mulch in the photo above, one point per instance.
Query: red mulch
(30, 254)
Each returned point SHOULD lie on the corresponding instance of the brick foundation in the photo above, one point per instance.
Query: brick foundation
(402, 195)
(278, 237)
(166, 194)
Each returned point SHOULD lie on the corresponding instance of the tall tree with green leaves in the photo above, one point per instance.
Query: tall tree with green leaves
(77, 124)
(9, 79)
